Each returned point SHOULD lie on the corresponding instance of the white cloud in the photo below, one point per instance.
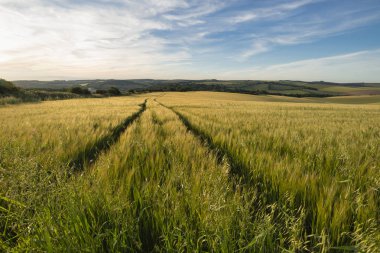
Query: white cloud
(258, 47)
(276, 11)
(308, 29)
(94, 39)
(362, 66)
(71, 39)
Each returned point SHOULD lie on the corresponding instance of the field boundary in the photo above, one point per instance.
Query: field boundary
(89, 156)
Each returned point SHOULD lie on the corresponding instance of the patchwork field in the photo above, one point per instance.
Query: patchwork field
(191, 171)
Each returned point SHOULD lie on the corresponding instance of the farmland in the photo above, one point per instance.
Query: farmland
(280, 87)
(191, 171)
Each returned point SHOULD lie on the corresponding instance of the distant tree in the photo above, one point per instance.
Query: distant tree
(80, 91)
(7, 87)
(101, 92)
(114, 91)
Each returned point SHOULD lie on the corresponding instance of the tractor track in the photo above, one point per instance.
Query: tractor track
(240, 173)
(237, 169)
(89, 156)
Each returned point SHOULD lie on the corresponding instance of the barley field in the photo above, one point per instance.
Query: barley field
(191, 172)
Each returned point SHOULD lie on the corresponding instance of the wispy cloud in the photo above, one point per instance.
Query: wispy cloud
(308, 29)
(361, 66)
(48, 39)
(271, 12)
(39, 34)
(193, 13)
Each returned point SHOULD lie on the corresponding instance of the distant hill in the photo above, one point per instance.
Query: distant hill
(10, 94)
(8, 89)
(282, 87)
(124, 85)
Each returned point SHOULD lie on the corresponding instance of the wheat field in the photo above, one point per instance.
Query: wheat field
(190, 172)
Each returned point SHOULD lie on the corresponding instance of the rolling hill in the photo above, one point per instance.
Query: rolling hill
(282, 87)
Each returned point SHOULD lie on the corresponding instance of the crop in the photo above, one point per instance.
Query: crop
(324, 159)
(39, 143)
(185, 172)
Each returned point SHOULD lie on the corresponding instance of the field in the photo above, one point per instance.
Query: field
(280, 87)
(191, 171)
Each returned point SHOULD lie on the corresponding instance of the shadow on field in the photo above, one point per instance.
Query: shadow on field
(91, 154)
(237, 169)
(267, 191)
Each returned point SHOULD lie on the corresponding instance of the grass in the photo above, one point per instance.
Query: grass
(374, 99)
(348, 89)
(10, 100)
(10, 94)
(192, 172)
(38, 142)
(168, 192)
(327, 154)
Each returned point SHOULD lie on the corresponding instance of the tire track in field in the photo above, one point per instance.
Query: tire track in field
(239, 172)
(241, 175)
(237, 168)
(89, 156)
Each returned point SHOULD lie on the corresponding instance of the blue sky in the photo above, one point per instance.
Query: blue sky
(332, 40)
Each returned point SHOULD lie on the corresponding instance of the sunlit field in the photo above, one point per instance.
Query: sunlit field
(191, 172)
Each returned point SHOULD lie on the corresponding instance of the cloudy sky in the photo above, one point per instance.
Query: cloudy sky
(334, 40)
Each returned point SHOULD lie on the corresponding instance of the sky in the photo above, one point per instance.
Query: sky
(310, 40)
